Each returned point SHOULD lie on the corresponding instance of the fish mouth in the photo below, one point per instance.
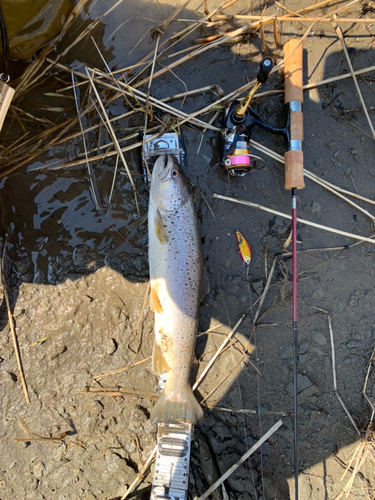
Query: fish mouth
(165, 169)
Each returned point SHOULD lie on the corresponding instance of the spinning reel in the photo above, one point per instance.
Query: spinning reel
(239, 121)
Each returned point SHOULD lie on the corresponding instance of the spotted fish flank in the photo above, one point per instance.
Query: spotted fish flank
(176, 274)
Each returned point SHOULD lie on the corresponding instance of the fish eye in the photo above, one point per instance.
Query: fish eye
(174, 173)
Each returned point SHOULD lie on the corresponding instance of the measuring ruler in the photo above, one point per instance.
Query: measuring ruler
(171, 476)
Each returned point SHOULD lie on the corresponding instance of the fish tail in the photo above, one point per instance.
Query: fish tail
(168, 410)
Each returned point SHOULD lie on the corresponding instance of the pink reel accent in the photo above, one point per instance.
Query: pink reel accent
(240, 160)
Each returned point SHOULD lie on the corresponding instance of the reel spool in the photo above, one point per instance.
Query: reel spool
(240, 162)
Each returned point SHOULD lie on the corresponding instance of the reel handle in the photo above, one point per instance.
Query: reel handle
(266, 64)
(293, 98)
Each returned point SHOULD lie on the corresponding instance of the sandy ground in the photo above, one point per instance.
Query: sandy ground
(78, 277)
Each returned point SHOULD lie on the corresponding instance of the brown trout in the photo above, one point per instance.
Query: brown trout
(176, 275)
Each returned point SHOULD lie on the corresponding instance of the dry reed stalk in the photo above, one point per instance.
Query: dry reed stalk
(141, 473)
(291, 12)
(335, 390)
(343, 44)
(141, 317)
(76, 11)
(120, 370)
(328, 249)
(148, 112)
(218, 352)
(38, 437)
(158, 32)
(15, 344)
(122, 393)
(322, 182)
(289, 18)
(364, 390)
(317, 84)
(205, 7)
(270, 19)
(163, 106)
(180, 35)
(141, 96)
(197, 52)
(44, 121)
(100, 157)
(95, 194)
(261, 20)
(363, 452)
(303, 221)
(6, 151)
(307, 9)
(244, 457)
(31, 141)
(33, 155)
(12, 329)
(212, 329)
(114, 138)
(214, 88)
(223, 380)
(262, 39)
(232, 410)
(315, 6)
(266, 288)
(35, 68)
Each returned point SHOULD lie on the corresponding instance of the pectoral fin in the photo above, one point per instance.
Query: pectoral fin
(160, 230)
(138, 222)
(159, 363)
(155, 304)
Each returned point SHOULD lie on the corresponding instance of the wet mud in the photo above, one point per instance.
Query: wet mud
(77, 279)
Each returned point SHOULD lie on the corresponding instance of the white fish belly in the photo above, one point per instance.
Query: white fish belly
(176, 268)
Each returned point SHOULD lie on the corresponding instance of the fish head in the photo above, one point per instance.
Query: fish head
(169, 186)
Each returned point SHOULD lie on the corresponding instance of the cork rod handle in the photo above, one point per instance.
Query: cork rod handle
(294, 95)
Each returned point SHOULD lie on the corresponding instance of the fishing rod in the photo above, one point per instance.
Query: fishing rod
(293, 98)
(237, 160)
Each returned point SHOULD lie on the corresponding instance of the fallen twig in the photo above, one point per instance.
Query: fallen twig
(120, 370)
(122, 393)
(303, 221)
(95, 194)
(364, 390)
(343, 44)
(265, 291)
(141, 317)
(114, 138)
(13, 330)
(141, 473)
(38, 437)
(223, 380)
(315, 178)
(218, 352)
(244, 457)
(334, 369)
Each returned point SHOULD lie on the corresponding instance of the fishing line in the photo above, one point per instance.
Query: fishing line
(258, 380)
(238, 383)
